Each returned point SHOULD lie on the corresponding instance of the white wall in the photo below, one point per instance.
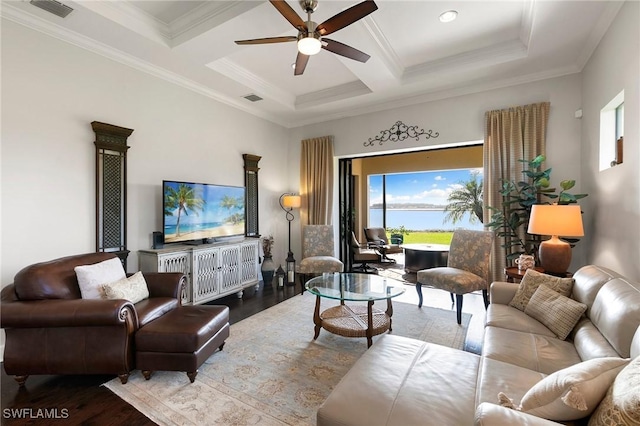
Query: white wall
(614, 226)
(461, 119)
(52, 91)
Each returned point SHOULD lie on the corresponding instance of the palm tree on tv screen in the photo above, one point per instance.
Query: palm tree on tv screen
(465, 199)
(184, 199)
(230, 203)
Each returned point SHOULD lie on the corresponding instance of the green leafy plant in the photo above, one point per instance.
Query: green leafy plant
(511, 222)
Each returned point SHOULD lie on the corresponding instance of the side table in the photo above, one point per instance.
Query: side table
(512, 273)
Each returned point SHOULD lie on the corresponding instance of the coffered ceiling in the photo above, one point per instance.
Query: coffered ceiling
(414, 57)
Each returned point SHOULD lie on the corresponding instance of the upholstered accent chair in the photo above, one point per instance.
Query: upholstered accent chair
(361, 256)
(377, 240)
(467, 268)
(318, 254)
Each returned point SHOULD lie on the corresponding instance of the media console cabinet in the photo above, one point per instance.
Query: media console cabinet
(212, 270)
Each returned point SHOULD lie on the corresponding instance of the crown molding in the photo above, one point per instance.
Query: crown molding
(526, 22)
(387, 53)
(51, 29)
(598, 32)
(332, 94)
(132, 18)
(432, 96)
(488, 56)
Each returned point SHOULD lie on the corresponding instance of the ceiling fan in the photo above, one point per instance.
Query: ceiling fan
(311, 35)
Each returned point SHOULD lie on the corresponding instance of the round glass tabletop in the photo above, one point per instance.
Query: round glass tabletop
(354, 287)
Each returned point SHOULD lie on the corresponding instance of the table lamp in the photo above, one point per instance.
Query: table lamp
(555, 220)
(288, 202)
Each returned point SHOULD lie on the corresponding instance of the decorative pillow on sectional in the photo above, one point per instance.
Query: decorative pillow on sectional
(91, 277)
(621, 404)
(532, 280)
(557, 312)
(571, 393)
(133, 289)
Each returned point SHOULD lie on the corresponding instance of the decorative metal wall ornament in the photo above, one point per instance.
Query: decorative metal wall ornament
(399, 132)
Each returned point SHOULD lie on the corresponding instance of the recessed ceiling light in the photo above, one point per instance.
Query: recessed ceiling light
(448, 16)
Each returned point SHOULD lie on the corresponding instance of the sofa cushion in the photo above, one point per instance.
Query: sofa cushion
(589, 342)
(536, 352)
(616, 313)
(532, 280)
(390, 385)
(505, 316)
(571, 393)
(91, 278)
(557, 312)
(499, 376)
(133, 288)
(621, 404)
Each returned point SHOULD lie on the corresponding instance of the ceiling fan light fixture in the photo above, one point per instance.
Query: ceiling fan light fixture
(309, 46)
(448, 16)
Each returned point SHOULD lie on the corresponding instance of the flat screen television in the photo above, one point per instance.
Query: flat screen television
(197, 212)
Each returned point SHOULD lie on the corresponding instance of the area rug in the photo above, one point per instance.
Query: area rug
(271, 371)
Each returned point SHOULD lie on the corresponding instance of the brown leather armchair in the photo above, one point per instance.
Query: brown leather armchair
(50, 329)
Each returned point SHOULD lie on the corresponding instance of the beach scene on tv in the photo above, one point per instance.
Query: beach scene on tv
(194, 211)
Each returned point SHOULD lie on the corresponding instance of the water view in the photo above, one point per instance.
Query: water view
(418, 220)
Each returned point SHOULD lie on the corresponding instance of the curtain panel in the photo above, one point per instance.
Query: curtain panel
(316, 181)
(511, 134)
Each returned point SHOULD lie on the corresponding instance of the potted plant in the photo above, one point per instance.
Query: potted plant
(268, 267)
(396, 235)
(512, 220)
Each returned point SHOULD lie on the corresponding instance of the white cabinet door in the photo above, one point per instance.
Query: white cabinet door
(249, 262)
(178, 262)
(205, 271)
(229, 269)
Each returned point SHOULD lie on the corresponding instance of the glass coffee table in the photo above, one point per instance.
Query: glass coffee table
(353, 320)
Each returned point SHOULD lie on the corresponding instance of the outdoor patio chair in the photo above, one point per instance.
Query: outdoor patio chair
(377, 240)
(361, 256)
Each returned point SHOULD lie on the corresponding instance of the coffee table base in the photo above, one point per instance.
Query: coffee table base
(353, 320)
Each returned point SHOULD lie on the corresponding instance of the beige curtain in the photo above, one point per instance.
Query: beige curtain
(316, 181)
(510, 135)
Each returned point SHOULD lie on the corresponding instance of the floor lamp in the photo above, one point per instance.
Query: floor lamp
(555, 220)
(288, 202)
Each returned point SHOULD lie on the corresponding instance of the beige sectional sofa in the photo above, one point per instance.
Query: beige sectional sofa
(402, 381)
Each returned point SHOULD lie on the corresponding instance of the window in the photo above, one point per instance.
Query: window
(611, 132)
(416, 201)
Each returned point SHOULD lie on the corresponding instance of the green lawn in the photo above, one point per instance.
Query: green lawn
(426, 237)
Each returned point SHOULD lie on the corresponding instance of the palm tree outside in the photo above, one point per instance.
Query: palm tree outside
(467, 199)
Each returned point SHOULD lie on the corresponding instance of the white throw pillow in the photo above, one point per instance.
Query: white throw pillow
(92, 277)
(133, 289)
(571, 393)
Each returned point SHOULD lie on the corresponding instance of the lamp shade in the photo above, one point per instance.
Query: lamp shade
(555, 219)
(291, 201)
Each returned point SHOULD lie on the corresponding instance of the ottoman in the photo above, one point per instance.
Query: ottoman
(181, 340)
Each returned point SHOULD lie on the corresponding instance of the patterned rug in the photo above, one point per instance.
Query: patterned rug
(271, 371)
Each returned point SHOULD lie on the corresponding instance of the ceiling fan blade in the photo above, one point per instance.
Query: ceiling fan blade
(267, 40)
(344, 50)
(346, 17)
(289, 14)
(301, 63)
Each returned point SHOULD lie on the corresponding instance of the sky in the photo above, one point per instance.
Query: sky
(420, 187)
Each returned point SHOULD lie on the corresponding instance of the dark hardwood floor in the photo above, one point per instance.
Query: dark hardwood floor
(80, 400)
